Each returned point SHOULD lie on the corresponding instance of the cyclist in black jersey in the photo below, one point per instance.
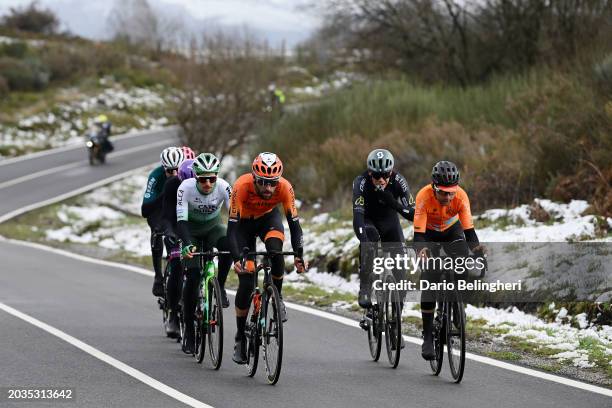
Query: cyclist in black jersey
(379, 195)
(151, 209)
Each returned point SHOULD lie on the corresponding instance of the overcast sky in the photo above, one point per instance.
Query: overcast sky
(273, 19)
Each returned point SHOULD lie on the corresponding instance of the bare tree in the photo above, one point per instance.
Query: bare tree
(466, 41)
(224, 83)
(138, 23)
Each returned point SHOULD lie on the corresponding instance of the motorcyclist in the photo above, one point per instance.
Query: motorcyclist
(103, 129)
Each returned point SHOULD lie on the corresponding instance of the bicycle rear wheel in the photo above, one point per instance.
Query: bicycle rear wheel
(215, 323)
(392, 323)
(439, 334)
(272, 334)
(252, 333)
(455, 339)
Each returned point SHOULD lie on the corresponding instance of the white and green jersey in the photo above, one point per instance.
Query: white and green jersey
(198, 208)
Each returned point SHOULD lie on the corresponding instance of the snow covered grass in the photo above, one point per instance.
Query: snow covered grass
(66, 123)
(564, 222)
(585, 346)
(321, 87)
(108, 217)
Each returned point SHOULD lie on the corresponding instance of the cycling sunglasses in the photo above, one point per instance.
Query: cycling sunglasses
(171, 171)
(266, 182)
(444, 193)
(380, 174)
(204, 179)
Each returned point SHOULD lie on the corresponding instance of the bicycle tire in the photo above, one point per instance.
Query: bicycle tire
(252, 333)
(455, 339)
(439, 333)
(200, 334)
(164, 304)
(392, 324)
(215, 323)
(272, 332)
(374, 332)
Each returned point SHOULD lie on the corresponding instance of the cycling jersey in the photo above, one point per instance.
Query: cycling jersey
(152, 201)
(431, 215)
(200, 211)
(246, 205)
(169, 204)
(369, 204)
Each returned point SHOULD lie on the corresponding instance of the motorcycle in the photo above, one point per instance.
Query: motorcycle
(95, 147)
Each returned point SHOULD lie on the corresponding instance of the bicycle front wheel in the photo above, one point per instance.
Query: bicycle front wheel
(252, 333)
(272, 335)
(392, 323)
(200, 333)
(439, 335)
(374, 330)
(215, 323)
(455, 339)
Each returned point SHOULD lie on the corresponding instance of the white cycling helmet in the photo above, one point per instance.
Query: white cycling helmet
(171, 158)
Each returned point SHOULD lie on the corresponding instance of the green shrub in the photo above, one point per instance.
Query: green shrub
(64, 62)
(17, 49)
(23, 75)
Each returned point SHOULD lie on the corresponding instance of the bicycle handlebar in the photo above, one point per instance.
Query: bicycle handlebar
(209, 253)
(247, 252)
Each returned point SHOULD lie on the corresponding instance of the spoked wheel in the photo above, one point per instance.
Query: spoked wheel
(272, 335)
(374, 330)
(215, 323)
(163, 304)
(439, 335)
(181, 338)
(392, 324)
(251, 332)
(200, 332)
(455, 339)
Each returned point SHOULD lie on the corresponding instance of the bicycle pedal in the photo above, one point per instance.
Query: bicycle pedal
(364, 324)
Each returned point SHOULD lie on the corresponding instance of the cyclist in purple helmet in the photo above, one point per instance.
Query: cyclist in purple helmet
(185, 172)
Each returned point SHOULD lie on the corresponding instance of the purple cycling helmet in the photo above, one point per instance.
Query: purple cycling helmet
(185, 171)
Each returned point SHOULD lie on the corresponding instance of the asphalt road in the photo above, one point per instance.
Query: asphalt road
(111, 309)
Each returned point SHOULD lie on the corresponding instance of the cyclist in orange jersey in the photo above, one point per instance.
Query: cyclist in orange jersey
(254, 213)
(442, 214)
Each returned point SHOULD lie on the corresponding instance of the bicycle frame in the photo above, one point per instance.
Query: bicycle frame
(208, 271)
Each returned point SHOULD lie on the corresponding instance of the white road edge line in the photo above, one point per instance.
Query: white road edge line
(80, 145)
(336, 318)
(61, 197)
(131, 371)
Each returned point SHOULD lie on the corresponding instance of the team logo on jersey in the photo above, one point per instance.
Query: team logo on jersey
(268, 158)
(359, 201)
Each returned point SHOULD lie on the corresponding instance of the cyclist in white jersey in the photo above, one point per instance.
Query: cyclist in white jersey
(198, 214)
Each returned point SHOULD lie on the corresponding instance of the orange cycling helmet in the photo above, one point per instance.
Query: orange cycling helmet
(188, 153)
(267, 165)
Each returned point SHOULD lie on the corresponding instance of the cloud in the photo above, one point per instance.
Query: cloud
(276, 20)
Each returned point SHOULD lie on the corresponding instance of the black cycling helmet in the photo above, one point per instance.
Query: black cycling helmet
(445, 175)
